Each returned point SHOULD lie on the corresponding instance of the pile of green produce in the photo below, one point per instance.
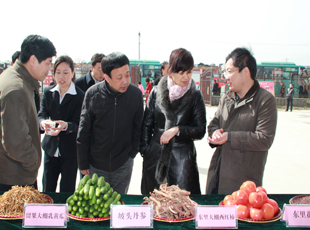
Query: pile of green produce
(92, 198)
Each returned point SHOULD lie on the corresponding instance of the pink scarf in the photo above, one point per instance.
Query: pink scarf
(176, 91)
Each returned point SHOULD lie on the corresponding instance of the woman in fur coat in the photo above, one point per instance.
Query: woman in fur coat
(174, 117)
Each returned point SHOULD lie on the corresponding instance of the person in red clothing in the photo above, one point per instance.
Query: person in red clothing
(148, 88)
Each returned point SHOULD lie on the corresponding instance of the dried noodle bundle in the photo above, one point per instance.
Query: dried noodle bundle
(171, 202)
(12, 201)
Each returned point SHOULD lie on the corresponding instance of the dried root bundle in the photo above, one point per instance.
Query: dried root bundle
(12, 201)
(171, 202)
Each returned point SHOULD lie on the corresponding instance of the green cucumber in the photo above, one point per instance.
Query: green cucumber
(94, 178)
(108, 203)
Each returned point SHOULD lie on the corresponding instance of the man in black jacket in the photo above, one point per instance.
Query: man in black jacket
(110, 125)
(95, 74)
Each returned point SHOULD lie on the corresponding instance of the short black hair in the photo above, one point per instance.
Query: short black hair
(97, 57)
(242, 58)
(180, 60)
(15, 56)
(162, 66)
(67, 60)
(113, 61)
(36, 45)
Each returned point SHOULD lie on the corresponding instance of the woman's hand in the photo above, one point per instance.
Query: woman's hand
(62, 125)
(168, 135)
(48, 126)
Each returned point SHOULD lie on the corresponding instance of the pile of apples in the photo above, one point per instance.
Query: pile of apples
(252, 202)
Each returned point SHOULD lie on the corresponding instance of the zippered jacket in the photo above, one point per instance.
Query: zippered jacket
(20, 149)
(110, 127)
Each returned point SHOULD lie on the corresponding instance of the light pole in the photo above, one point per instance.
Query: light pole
(139, 44)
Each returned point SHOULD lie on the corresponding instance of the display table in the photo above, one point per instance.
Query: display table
(138, 199)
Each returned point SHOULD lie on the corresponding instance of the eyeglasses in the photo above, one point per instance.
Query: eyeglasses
(229, 72)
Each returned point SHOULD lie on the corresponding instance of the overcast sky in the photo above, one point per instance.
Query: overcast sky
(275, 31)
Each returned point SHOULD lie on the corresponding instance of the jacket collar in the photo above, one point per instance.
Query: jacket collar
(25, 75)
(89, 78)
(247, 98)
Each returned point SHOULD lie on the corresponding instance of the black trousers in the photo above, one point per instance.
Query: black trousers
(289, 101)
(5, 187)
(53, 167)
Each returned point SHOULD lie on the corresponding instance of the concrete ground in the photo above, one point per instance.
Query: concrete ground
(287, 169)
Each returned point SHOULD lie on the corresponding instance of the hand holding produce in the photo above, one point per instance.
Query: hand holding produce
(252, 202)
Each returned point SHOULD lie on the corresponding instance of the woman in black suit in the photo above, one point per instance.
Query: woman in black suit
(62, 104)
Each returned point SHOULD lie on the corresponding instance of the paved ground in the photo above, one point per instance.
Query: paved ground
(287, 169)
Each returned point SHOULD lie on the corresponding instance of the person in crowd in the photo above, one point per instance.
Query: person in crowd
(148, 88)
(140, 86)
(289, 97)
(163, 71)
(95, 74)
(110, 125)
(215, 88)
(243, 127)
(62, 104)
(20, 150)
(282, 90)
(15, 57)
(174, 117)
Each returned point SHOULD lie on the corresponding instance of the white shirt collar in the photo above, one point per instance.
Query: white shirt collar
(71, 91)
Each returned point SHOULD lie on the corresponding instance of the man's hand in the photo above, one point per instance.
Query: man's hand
(168, 135)
(219, 137)
(84, 172)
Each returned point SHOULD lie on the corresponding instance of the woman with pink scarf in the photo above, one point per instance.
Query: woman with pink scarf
(173, 119)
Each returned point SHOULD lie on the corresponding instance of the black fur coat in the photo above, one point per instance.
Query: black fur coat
(176, 160)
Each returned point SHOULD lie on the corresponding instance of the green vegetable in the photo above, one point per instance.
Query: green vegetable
(93, 201)
(95, 213)
(108, 203)
(86, 189)
(117, 198)
(98, 191)
(91, 192)
(69, 198)
(104, 210)
(75, 197)
(75, 208)
(81, 210)
(114, 194)
(94, 178)
(100, 182)
(84, 203)
(99, 200)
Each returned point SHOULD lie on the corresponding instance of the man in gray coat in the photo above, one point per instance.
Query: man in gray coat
(242, 129)
(20, 149)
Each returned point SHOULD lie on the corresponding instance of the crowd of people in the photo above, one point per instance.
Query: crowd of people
(99, 123)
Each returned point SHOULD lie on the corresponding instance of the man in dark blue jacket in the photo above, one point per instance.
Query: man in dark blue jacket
(110, 125)
(95, 74)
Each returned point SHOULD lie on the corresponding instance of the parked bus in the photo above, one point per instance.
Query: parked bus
(148, 68)
(286, 72)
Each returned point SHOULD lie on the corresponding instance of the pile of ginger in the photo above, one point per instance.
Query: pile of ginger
(171, 202)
